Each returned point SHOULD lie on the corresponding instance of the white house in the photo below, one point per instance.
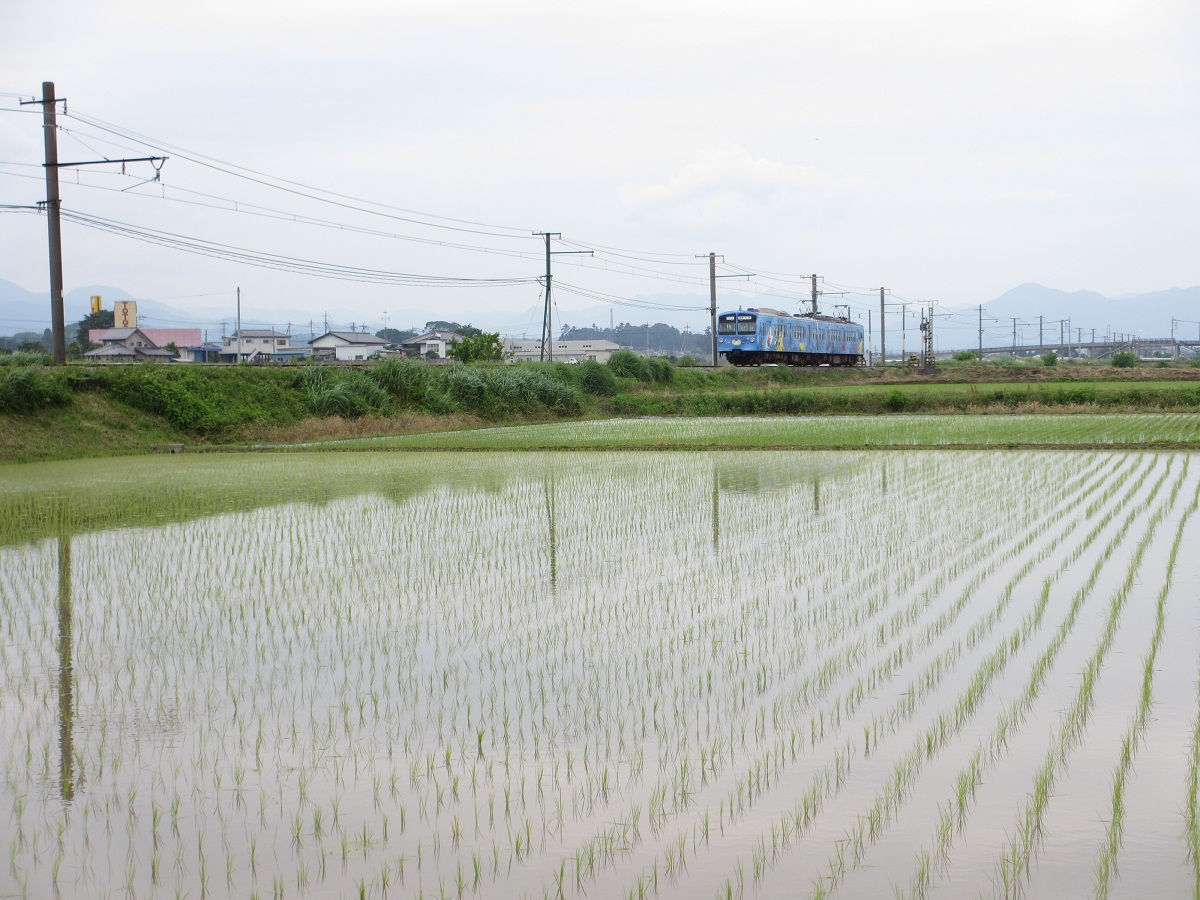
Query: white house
(562, 351)
(254, 345)
(436, 342)
(347, 346)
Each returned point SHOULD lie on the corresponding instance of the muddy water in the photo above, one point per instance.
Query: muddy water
(621, 674)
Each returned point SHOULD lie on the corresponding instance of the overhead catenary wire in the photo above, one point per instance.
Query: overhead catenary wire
(345, 201)
(278, 261)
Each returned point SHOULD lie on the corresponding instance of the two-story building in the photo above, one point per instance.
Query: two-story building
(127, 345)
(561, 351)
(258, 345)
(347, 346)
(435, 343)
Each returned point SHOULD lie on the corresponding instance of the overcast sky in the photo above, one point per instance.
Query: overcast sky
(946, 150)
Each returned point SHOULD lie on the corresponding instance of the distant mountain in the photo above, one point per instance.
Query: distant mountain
(1146, 315)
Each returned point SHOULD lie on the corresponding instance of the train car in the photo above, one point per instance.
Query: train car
(753, 337)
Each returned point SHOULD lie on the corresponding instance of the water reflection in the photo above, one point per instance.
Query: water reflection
(66, 673)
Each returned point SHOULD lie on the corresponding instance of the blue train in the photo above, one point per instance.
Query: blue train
(751, 337)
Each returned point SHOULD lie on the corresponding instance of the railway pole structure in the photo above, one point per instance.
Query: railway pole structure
(712, 297)
(53, 206)
(882, 330)
(547, 350)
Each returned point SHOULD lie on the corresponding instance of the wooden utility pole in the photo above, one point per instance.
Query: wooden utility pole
(54, 210)
(54, 222)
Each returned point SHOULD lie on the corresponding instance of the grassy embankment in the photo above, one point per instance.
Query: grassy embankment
(82, 411)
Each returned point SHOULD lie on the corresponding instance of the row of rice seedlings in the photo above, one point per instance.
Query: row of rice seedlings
(1014, 865)
(869, 825)
(882, 724)
(955, 812)
(831, 431)
(1191, 802)
(1106, 864)
(334, 726)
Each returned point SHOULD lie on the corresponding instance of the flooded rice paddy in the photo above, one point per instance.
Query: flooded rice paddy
(635, 675)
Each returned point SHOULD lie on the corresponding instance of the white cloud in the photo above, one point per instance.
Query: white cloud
(725, 174)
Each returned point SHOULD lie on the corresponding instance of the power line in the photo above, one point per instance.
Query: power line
(298, 188)
(277, 261)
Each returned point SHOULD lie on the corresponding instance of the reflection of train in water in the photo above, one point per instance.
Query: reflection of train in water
(751, 337)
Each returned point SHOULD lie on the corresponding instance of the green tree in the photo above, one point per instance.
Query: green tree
(1050, 359)
(394, 335)
(464, 330)
(101, 319)
(481, 347)
(1125, 360)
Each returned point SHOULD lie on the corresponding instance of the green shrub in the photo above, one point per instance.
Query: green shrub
(1125, 360)
(895, 400)
(1050, 359)
(405, 379)
(37, 357)
(30, 388)
(661, 370)
(687, 361)
(627, 364)
(597, 379)
(966, 355)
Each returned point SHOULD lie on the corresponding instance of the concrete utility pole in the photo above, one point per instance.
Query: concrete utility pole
(547, 352)
(712, 303)
(712, 296)
(870, 336)
(814, 295)
(547, 323)
(1013, 352)
(882, 331)
(1040, 341)
(903, 334)
(981, 332)
(238, 358)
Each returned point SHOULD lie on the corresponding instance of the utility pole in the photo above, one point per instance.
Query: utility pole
(712, 303)
(981, 332)
(547, 353)
(547, 323)
(882, 331)
(814, 295)
(49, 104)
(712, 297)
(903, 334)
(1013, 352)
(870, 335)
(54, 222)
(1040, 341)
(239, 326)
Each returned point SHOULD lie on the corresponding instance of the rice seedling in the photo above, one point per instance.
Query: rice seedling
(530, 675)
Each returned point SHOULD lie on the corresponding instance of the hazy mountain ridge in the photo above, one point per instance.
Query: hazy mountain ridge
(1148, 315)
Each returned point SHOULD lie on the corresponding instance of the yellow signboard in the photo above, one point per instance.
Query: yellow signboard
(125, 314)
(96, 304)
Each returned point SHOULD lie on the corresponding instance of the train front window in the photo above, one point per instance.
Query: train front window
(727, 325)
(746, 325)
